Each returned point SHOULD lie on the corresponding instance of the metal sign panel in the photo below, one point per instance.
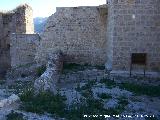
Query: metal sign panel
(139, 58)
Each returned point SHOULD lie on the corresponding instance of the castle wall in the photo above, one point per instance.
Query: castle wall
(5, 24)
(136, 29)
(80, 32)
(23, 18)
(23, 48)
(19, 20)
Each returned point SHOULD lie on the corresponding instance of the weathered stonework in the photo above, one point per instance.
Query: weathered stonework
(94, 35)
(134, 27)
(23, 48)
(19, 20)
(48, 80)
(79, 32)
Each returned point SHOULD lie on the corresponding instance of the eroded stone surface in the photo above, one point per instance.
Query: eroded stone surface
(48, 80)
(23, 48)
(133, 27)
(79, 32)
(19, 20)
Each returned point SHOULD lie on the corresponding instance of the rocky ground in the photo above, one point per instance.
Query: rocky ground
(109, 97)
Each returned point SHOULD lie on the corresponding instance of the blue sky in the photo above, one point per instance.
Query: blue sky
(44, 8)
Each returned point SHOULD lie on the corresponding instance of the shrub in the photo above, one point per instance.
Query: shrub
(54, 104)
(88, 85)
(43, 102)
(109, 83)
(153, 91)
(91, 106)
(2, 82)
(14, 116)
(87, 93)
(73, 67)
(41, 70)
(23, 75)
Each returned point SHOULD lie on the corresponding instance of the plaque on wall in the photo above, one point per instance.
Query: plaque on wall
(138, 59)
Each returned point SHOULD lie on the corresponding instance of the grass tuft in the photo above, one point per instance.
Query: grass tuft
(153, 91)
(40, 70)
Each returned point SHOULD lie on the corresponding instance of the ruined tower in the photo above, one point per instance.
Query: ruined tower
(24, 19)
(19, 20)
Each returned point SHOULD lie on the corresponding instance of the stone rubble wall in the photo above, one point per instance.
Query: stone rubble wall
(19, 20)
(135, 28)
(5, 28)
(23, 48)
(48, 80)
(29, 23)
(79, 32)
(23, 19)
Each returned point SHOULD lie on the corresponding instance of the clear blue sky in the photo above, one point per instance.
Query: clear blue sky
(44, 8)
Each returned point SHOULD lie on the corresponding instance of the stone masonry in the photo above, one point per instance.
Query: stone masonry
(133, 27)
(19, 20)
(79, 32)
(23, 52)
(49, 79)
(106, 34)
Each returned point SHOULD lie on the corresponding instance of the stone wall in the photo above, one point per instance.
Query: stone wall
(23, 48)
(29, 24)
(79, 32)
(19, 20)
(135, 28)
(4, 41)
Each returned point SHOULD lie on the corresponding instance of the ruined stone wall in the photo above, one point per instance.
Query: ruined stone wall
(79, 32)
(23, 48)
(23, 19)
(5, 24)
(135, 29)
(19, 20)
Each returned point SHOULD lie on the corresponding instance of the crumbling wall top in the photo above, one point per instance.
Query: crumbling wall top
(18, 8)
(128, 2)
